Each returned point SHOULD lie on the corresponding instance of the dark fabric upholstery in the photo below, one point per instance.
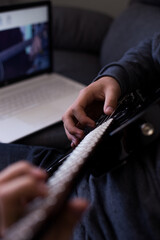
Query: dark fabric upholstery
(79, 30)
(152, 2)
(133, 25)
(80, 66)
(78, 36)
(51, 136)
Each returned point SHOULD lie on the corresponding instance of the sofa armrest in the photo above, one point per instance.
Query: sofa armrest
(136, 23)
(78, 29)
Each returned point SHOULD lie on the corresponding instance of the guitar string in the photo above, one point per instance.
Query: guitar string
(107, 117)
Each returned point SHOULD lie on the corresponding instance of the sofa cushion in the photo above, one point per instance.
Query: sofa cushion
(5, 2)
(152, 2)
(137, 22)
(80, 66)
(76, 29)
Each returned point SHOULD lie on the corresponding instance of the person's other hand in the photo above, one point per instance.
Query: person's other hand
(100, 96)
(19, 184)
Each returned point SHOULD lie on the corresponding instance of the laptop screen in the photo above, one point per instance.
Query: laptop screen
(25, 41)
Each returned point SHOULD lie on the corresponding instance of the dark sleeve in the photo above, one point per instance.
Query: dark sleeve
(138, 68)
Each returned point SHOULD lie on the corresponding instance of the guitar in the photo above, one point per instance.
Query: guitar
(135, 116)
(135, 125)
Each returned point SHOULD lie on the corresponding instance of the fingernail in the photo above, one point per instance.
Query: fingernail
(39, 172)
(72, 145)
(80, 135)
(109, 110)
(92, 125)
(75, 142)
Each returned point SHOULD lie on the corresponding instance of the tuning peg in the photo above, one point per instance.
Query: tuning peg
(147, 129)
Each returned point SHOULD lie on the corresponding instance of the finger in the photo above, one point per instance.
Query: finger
(79, 108)
(110, 103)
(111, 98)
(21, 168)
(74, 141)
(70, 125)
(67, 221)
(14, 196)
(75, 128)
(75, 120)
(24, 187)
(73, 132)
(83, 119)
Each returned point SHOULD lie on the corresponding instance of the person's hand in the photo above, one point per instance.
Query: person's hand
(19, 184)
(100, 96)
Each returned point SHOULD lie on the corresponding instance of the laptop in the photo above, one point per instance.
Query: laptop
(32, 96)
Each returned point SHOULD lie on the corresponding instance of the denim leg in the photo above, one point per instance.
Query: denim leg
(40, 156)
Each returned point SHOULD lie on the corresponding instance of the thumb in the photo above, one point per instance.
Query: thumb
(110, 103)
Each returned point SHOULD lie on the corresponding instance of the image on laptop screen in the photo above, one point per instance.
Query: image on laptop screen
(24, 43)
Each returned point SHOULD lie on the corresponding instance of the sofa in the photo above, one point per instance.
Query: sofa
(85, 41)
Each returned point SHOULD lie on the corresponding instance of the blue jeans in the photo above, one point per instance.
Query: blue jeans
(40, 156)
(124, 203)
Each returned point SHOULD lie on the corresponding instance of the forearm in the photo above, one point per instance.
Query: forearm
(138, 68)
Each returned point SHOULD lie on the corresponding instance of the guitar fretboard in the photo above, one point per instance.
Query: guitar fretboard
(59, 186)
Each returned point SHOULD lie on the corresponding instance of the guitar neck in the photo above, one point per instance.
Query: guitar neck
(59, 188)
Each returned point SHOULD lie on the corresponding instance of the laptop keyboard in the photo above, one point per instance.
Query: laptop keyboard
(11, 105)
(24, 100)
(30, 96)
